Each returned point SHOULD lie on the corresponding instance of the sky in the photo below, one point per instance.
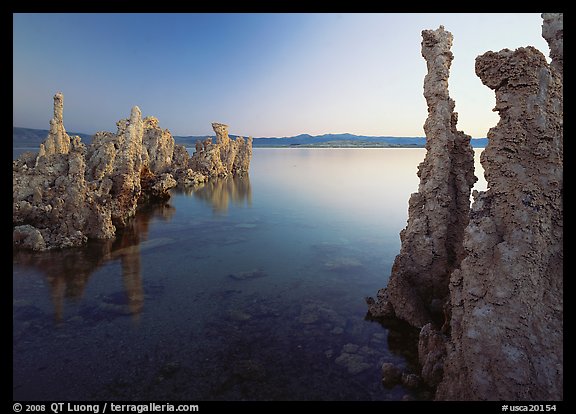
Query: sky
(264, 75)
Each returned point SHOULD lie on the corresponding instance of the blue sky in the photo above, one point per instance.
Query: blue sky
(262, 74)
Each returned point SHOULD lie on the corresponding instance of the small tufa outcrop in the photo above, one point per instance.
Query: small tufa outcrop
(438, 213)
(223, 158)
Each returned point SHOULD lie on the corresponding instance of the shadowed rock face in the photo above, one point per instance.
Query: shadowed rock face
(506, 326)
(502, 337)
(553, 32)
(438, 212)
(69, 193)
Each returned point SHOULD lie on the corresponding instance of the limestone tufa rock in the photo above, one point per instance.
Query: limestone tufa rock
(158, 146)
(58, 141)
(431, 354)
(69, 193)
(553, 32)
(391, 375)
(507, 304)
(28, 237)
(223, 158)
(438, 212)
(52, 197)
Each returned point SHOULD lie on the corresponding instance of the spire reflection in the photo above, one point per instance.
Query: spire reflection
(221, 192)
(67, 271)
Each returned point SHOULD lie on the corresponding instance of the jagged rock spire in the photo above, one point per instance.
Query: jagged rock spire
(58, 141)
(438, 212)
(506, 324)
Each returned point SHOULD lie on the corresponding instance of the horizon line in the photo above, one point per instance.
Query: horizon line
(253, 137)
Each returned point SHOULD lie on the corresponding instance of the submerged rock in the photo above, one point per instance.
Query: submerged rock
(431, 354)
(410, 381)
(251, 274)
(238, 315)
(344, 265)
(249, 369)
(318, 312)
(354, 363)
(391, 375)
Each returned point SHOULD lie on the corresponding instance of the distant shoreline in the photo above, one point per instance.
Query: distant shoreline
(28, 138)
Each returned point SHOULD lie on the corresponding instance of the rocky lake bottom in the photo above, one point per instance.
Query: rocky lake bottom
(243, 289)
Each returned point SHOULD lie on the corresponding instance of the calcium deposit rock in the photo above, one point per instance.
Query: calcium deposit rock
(158, 146)
(553, 32)
(68, 193)
(507, 305)
(223, 158)
(438, 212)
(58, 141)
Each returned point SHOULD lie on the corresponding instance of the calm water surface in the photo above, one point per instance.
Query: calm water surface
(244, 289)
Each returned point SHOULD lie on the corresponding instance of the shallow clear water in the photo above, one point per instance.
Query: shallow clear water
(244, 289)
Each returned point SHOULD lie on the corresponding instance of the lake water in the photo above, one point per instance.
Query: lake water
(244, 289)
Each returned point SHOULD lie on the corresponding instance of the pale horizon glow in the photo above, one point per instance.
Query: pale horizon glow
(264, 75)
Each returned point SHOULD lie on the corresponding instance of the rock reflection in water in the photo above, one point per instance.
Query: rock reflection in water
(220, 192)
(67, 271)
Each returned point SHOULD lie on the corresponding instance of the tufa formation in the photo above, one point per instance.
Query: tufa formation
(69, 193)
(500, 336)
(507, 302)
(438, 213)
(553, 32)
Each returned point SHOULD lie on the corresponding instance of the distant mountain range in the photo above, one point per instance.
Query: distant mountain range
(32, 138)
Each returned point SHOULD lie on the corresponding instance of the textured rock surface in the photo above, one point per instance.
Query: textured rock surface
(223, 158)
(553, 32)
(507, 304)
(431, 354)
(438, 212)
(69, 193)
(58, 141)
(52, 197)
(125, 175)
(28, 237)
(391, 375)
(158, 146)
(241, 163)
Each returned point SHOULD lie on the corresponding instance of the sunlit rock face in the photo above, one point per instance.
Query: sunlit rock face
(50, 202)
(223, 158)
(157, 146)
(58, 141)
(67, 193)
(507, 304)
(438, 213)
